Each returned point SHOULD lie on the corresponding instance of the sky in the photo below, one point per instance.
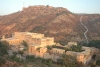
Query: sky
(75, 6)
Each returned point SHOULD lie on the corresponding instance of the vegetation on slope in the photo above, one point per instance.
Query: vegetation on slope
(77, 48)
(98, 62)
(66, 61)
(92, 43)
(3, 52)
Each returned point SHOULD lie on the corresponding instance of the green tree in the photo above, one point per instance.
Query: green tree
(14, 58)
(24, 43)
(67, 61)
(49, 62)
(38, 49)
(2, 61)
(47, 5)
(30, 58)
(4, 46)
(49, 47)
(63, 42)
(92, 43)
(92, 65)
(98, 62)
(74, 48)
(66, 49)
(21, 52)
(60, 61)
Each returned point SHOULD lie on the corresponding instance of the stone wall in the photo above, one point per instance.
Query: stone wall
(84, 56)
(54, 57)
(58, 51)
(80, 58)
(13, 41)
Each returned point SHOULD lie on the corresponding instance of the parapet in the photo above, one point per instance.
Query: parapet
(57, 50)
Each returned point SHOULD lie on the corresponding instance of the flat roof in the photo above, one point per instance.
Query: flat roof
(11, 39)
(34, 45)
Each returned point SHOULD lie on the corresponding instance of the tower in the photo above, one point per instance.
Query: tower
(23, 5)
(80, 58)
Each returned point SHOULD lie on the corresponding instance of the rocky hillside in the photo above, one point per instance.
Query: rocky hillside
(52, 21)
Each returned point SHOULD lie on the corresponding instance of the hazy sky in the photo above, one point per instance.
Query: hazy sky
(76, 6)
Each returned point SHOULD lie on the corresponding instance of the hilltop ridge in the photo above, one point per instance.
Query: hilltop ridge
(52, 21)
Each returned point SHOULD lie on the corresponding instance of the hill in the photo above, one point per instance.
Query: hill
(52, 21)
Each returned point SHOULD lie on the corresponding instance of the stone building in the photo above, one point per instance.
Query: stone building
(37, 46)
(34, 40)
(84, 56)
(52, 56)
(58, 51)
(13, 41)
